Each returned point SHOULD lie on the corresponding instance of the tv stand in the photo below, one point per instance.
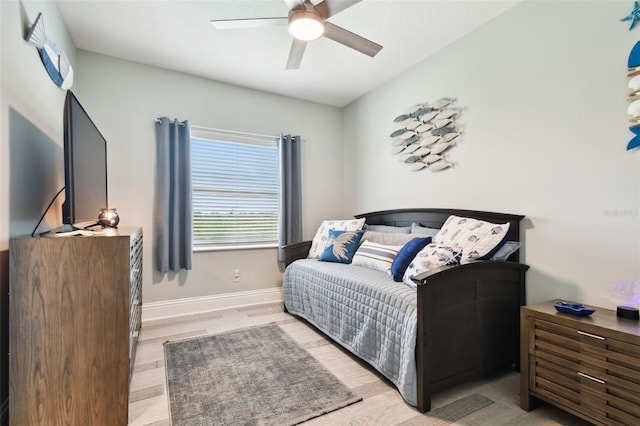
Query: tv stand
(75, 314)
(87, 225)
(68, 227)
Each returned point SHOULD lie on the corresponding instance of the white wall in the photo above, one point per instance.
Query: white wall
(543, 91)
(31, 105)
(124, 98)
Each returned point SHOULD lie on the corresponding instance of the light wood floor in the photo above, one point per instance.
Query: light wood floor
(381, 405)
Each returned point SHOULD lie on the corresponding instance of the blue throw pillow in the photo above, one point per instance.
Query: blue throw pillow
(341, 246)
(506, 250)
(406, 255)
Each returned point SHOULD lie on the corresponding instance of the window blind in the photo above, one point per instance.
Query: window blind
(235, 191)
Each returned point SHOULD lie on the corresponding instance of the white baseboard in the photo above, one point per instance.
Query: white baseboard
(154, 311)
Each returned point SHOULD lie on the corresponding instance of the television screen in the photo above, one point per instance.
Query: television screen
(85, 166)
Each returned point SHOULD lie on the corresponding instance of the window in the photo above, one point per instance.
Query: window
(235, 190)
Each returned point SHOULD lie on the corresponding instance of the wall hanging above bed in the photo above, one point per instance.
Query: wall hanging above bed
(426, 133)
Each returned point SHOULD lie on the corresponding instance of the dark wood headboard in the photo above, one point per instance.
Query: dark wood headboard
(434, 218)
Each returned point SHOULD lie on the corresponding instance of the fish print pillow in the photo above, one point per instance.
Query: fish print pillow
(431, 256)
(474, 239)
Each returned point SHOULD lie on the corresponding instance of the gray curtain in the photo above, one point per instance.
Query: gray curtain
(173, 224)
(290, 220)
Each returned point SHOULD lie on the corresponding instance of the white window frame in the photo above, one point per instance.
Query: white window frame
(237, 137)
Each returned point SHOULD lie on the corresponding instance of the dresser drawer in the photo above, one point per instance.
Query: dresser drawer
(601, 357)
(135, 296)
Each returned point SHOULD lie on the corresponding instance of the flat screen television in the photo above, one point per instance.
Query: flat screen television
(85, 168)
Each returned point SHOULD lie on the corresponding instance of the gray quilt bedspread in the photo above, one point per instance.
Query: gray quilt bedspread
(363, 310)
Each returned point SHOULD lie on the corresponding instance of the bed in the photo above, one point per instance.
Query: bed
(466, 316)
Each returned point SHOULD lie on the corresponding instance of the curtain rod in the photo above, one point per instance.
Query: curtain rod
(159, 120)
(211, 129)
(233, 132)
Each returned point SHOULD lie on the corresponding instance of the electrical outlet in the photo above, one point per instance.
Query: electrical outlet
(236, 275)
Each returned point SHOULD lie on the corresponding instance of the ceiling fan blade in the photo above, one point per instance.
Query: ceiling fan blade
(328, 8)
(292, 4)
(232, 24)
(351, 40)
(295, 54)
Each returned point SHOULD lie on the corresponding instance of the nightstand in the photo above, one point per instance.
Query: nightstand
(588, 366)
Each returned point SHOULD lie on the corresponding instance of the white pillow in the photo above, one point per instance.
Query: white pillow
(432, 256)
(319, 242)
(375, 256)
(475, 239)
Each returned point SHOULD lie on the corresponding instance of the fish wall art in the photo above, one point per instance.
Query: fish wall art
(633, 64)
(424, 134)
(54, 59)
(634, 96)
(633, 16)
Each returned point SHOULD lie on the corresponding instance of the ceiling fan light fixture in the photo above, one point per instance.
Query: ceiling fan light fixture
(306, 25)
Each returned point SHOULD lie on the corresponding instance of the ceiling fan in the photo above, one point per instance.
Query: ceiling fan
(307, 22)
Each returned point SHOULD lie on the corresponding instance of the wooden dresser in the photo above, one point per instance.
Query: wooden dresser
(588, 366)
(74, 320)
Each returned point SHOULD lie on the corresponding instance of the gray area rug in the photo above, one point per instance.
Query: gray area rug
(457, 410)
(254, 376)
(452, 413)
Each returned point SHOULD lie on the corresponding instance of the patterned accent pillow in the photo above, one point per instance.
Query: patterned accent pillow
(475, 239)
(341, 246)
(432, 256)
(322, 234)
(375, 256)
(406, 254)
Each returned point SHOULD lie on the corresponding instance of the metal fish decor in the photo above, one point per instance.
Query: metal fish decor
(424, 133)
(55, 61)
(633, 16)
(634, 95)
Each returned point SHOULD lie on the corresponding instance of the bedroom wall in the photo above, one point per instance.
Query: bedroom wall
(543, 96)
(124, 98)
(31, 163)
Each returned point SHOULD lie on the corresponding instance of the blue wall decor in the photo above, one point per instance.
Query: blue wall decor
(55, 61)
(427, 132)
(633, 63)
(633, 16)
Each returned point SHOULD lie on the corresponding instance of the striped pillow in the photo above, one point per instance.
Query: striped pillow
(375, 256)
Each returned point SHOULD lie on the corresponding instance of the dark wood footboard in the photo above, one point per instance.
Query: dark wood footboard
(468, 323)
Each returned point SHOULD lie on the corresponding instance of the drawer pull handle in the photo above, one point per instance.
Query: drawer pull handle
(591, 335)
(586, 376)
